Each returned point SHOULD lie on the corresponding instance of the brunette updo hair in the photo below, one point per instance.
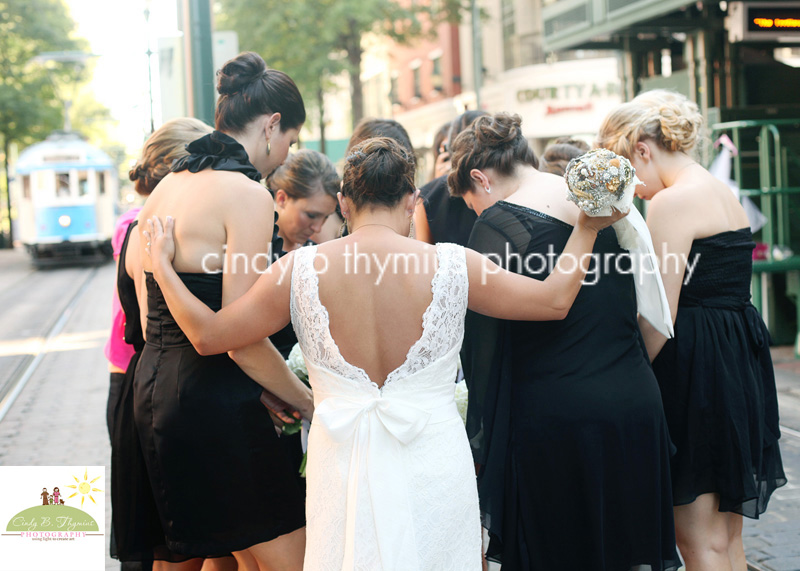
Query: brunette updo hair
(371, 127)
(378, 172)
(491, 142)
(663, 116)
(305, 173)
(557, 156)
(462, 122)
(248, 89)
(165, 145)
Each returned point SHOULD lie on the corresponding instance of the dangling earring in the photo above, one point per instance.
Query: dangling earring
(411, 230)
(343, 228)
(269, 148)
(488, 190)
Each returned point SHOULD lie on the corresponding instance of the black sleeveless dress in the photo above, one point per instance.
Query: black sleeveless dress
(565, 417)
(718, 384)
(220, 478)
(449, 217)
(135, 523)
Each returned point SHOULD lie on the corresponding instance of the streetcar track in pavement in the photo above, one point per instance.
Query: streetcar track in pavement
(789, 431)
(11, 388)
(11, 291)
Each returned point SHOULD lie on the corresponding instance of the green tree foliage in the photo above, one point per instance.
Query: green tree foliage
(29, 106)
(291, 36)
(42, 67)
(312, 40)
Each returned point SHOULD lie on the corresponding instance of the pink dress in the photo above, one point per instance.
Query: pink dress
(117, 351)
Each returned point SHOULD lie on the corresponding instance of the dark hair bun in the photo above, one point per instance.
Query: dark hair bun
(501, 129)
(491, 142)
(249, 89)
(378, 172)
(240, 72)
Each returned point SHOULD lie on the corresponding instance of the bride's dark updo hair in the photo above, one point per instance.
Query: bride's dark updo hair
(378, 172)
(248, 89)
(491, 142)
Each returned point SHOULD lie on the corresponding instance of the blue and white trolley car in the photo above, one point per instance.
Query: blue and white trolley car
(65, 195)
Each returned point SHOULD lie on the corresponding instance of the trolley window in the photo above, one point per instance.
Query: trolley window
(26, 186)
(83, 183)
(62, 185)
(101, 182)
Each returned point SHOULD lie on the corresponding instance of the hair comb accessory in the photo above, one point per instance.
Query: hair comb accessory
(356, 157)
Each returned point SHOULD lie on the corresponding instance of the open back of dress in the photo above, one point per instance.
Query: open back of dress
(390, 479)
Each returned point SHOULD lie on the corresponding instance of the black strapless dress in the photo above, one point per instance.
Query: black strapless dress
(219, 476)
(565, 417)
(718, 384)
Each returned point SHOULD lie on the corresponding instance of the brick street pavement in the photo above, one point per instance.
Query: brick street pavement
(772, 543)
(59, 418)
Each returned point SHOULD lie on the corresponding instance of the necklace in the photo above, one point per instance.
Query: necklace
(353, 231)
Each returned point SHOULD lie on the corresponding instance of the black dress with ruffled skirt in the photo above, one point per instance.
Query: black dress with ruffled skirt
(220, 478)
(565, 417)
(718, 384)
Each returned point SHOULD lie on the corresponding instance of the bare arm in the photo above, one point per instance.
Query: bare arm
(263, 363)
(673, 233)
(260, 360)
(505, 295)
(247, 321)
(422, 230)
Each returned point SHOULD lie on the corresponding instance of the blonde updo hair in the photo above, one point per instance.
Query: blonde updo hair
(666, 117)
(166, 144)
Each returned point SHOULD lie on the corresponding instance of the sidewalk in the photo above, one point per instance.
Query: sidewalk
(772, 542)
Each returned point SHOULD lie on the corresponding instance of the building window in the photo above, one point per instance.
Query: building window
(393, 96)
(436, 74)
(417, 83)
(509, 33)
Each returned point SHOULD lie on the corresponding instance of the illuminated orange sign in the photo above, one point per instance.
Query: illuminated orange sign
(777, 22)
(787, 23)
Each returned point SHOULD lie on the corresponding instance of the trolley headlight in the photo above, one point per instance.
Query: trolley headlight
(64, 220)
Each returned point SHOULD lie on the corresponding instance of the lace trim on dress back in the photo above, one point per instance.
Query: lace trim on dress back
(442, 321)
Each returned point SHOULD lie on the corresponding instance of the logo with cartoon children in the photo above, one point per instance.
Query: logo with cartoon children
(54, 515)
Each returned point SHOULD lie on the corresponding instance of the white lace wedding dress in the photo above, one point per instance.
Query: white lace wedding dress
(390, 479)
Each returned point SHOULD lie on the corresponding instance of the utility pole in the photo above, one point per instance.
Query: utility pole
(201, 88)
(149, 53)
(477, 52)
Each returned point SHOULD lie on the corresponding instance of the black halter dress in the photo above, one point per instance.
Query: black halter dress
(220, 478)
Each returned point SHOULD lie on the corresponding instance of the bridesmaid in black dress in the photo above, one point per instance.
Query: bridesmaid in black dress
(716, 374)
(137, 536)
(221, 481)
(565, 417)
(440, 217)
(304, 189)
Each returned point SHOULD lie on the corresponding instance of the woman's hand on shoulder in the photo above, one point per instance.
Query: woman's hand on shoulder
(160, 242)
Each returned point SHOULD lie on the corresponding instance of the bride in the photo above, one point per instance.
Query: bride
(380, 320)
